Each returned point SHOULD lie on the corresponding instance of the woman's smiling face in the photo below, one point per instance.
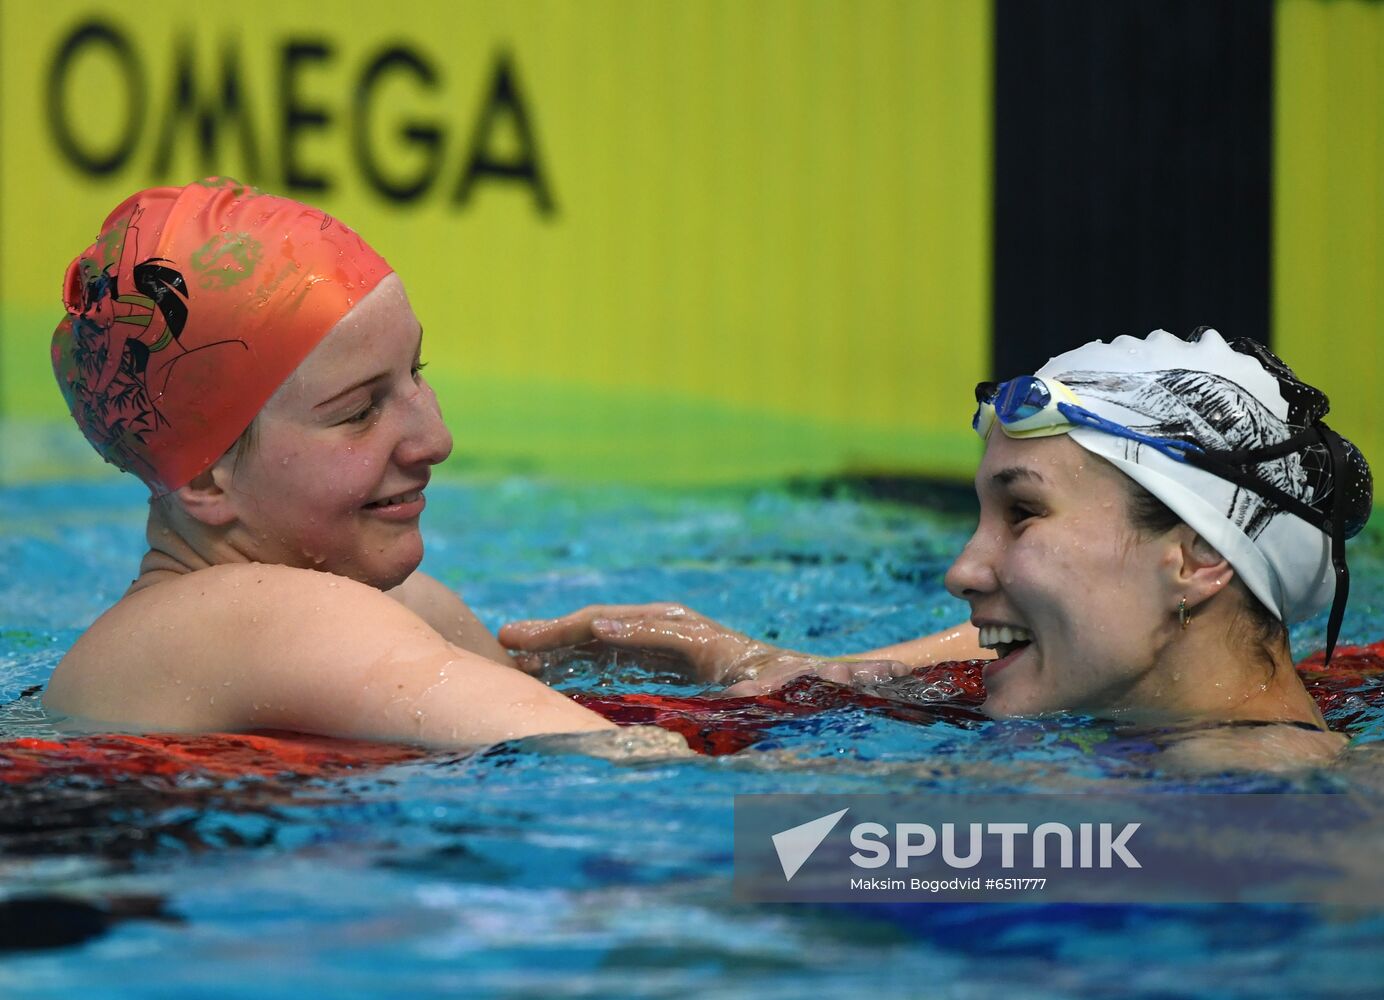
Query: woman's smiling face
(342, 451)
(1056, 561)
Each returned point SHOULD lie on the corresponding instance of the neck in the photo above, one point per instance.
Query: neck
(1209, 671)
(179, 545)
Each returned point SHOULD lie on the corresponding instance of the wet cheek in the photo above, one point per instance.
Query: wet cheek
(280, 461)
(362, 481)
(1035, 567)
(1112, 574)
(1098, 592)
(349, 475)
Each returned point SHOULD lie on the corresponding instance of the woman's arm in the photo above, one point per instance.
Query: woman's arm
(235, 648)
(713, 653)
(367, 667)
(960, 642)
(449, 616)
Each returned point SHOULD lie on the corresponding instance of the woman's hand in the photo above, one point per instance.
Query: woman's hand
(703, 650)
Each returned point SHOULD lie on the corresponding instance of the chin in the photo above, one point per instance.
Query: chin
(387, 581)
(997, 708)
(385, 573)
(397, 575)
(1002, 704)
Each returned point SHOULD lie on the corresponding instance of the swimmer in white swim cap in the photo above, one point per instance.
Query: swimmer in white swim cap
(1227, 438)
(1153, 513)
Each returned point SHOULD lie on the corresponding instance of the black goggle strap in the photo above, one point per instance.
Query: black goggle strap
(1230, 465)
(1337, 529)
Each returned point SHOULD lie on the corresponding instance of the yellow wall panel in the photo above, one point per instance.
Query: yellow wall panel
(769, 252)
(1328, 206)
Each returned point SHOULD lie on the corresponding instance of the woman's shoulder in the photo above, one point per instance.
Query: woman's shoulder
(198, 630)
(240, 648)
(227, 584)
(228, 606)
(1276, 747)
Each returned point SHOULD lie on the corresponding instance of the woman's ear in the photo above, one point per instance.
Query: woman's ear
(1199, 572)
(207, 498)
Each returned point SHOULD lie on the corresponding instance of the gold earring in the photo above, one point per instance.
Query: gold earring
(1184, 619)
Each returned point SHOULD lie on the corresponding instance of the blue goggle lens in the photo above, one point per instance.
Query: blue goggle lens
(1021, 398)
(1017, 399)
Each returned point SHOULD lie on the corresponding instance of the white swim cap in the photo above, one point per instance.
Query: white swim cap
(1231, 398)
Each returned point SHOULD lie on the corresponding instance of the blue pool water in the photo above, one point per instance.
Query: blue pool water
(523, 872)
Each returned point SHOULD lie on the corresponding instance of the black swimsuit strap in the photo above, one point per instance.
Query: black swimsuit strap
(1157, 735)
(1311, 727)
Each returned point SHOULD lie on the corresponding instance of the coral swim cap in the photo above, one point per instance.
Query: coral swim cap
(187, 313)
(1235, 401)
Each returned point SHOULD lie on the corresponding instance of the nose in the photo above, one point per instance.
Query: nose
(426, 440)
(973, 572)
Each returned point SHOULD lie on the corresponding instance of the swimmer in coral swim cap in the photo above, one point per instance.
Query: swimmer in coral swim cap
(1153, 514)
(258, 366)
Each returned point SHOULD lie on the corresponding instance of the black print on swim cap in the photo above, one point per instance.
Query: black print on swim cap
(1215, 414)
(1218, 414)
(1306, 404)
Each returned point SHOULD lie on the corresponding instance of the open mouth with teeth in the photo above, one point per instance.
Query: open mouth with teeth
(1005, 639)
(395, 501)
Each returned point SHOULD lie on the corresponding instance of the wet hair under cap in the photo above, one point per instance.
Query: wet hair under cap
(189, 311)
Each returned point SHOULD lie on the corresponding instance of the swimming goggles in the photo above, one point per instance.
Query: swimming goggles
(1030, 406)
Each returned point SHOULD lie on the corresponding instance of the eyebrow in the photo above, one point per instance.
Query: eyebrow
(417, 352)
(1014, 473)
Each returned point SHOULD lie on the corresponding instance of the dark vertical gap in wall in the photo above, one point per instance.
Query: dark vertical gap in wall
(1133, 159)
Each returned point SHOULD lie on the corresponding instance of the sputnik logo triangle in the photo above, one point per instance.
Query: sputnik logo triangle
(795, 845)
